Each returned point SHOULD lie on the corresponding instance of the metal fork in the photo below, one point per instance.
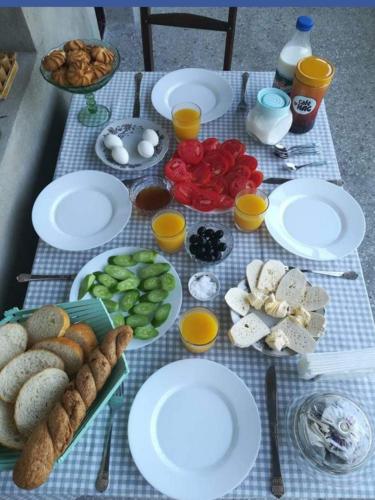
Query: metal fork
(303, 149)
(115, 403)
(242, 105)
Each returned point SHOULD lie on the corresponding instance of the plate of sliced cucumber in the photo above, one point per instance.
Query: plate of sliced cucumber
(139, 288)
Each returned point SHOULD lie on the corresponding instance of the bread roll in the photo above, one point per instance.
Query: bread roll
(84, 336)
(50, 438)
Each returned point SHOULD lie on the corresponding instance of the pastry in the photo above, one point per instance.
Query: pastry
(80, 75)
(74, 45)
(51, 437)
(59, 76)
(102, 54)
(77, 56)
(100, 69)
(54, 60)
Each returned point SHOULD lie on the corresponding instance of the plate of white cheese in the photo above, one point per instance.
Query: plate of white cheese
(132, 144)
(276, 310)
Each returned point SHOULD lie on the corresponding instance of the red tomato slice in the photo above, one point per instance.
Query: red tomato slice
(218, 162)
(250, 162)
(183, 192)
(191, 151)
(218, 184)
(210, 144)
(229, 158)
(202, 173)
(234, 147)
(238, 184)
(225, 202)
(176, 170)
(257, 178)
(205, 200)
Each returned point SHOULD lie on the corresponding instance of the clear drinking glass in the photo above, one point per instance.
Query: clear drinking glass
(250, 208)
(186, 118)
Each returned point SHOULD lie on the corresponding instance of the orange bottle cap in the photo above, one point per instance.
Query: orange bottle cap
(315, 71)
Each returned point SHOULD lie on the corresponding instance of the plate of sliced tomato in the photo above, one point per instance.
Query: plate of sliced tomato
(207, 175)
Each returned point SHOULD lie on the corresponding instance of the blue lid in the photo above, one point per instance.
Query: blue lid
(304, 23)
(273, 98)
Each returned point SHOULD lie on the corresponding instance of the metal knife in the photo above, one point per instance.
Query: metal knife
(277, 485)
(137, 104)
(281, 180)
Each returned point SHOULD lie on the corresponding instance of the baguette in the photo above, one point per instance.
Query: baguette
(51, 437)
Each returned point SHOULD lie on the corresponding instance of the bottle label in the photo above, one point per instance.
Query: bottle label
(303, 105)
(282, 83)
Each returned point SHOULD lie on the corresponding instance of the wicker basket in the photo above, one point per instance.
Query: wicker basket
(8, 70)
(94, 313)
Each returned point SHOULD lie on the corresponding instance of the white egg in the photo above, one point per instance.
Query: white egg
(120, 155)
(151, 136)
(146, 149)
(112, 141)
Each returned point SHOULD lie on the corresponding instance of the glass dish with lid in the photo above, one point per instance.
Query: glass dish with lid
(331, 433)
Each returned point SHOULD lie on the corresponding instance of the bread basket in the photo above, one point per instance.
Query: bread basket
(94, 313)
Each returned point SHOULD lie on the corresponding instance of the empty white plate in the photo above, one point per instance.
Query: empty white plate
(194, 430)
(207, 89)
(81, 210)
(315, 219)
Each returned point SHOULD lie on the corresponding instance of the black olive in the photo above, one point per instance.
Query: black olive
(194, 238)
(201, 230)
(209, 233)
(222, 246)
(193, 248)
(219, 234)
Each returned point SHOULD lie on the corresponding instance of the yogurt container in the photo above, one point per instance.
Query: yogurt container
(271, 118)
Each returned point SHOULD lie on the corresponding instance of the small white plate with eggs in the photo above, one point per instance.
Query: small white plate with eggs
(132, 144)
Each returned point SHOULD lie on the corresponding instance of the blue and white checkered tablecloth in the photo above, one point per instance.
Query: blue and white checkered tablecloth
(349, 319)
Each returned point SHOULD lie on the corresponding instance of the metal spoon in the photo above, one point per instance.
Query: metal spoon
(346, 275)
(292, 167)
(281, 150)
(242, 105)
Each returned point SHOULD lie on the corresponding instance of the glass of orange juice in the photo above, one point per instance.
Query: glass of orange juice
(169, 229)
(186, 118)
(199, 328)
(250, 207)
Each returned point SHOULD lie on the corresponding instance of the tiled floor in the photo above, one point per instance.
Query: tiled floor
(346, 36)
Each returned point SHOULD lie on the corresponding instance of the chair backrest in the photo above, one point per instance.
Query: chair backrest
(185, 20)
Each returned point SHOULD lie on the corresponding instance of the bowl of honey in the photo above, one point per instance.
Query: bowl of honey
(150, 194)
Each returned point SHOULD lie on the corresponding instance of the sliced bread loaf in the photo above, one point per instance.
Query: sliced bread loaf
(13, 341)
(22, 367)
(238, 301)
(252, 273)
(292, 288)
(270, 275)
(48, 321)
(9, 435)
(37, 398)
(247, 331)
(84, 336)
(68, 350)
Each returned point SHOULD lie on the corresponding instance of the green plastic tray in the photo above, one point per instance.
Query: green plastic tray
(94, 313)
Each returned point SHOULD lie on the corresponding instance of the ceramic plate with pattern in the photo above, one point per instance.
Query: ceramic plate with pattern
(130, 131)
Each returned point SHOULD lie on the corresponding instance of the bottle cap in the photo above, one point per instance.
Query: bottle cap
(304, 23)
(314, 71)
(272, 98)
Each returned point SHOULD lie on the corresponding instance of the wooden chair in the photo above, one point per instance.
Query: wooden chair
(185, 20)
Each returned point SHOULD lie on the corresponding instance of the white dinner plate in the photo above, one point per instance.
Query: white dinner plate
(315, 219)
(130, 131)
(81, 210)
(97, 264)
(203, 87)
(194, 430)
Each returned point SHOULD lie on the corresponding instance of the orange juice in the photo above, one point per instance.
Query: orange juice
(169, 230)
(186, 119)
(199, 328)
(250, 209)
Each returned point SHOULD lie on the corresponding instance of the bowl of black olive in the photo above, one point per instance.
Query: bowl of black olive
(208, 242)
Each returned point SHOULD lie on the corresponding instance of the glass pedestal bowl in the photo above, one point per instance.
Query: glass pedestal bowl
(93, 114)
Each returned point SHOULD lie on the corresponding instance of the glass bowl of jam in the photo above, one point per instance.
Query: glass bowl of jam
(150, 194)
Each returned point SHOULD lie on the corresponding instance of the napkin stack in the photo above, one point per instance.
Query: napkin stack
(342, 364)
